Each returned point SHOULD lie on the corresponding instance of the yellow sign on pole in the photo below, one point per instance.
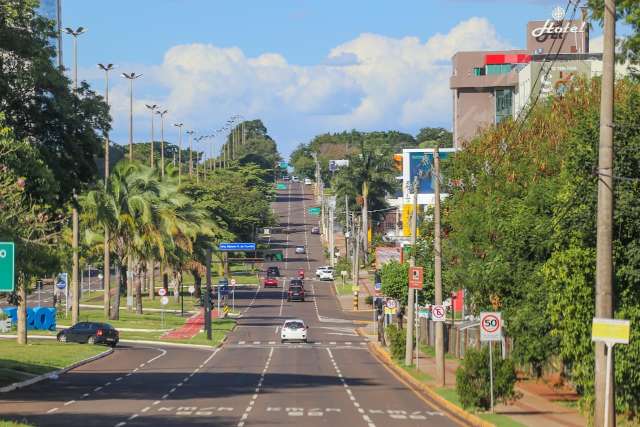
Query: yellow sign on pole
(407, 212)
(612, 331)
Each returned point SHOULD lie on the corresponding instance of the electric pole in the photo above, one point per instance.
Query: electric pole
(408, 355)
(207, 297)
(437, 251)
(604, 255)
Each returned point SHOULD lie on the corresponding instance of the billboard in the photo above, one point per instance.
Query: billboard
(420, 160)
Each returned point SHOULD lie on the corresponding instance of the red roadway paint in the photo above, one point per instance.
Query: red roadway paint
(191, 327)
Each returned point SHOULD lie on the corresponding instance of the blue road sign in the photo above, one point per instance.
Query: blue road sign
(378, 286)
(62, 281)
(246, 246)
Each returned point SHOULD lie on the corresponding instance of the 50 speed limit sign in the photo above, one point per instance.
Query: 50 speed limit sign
(490, 326)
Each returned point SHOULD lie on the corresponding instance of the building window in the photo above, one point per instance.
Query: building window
(478, 71)
(504, 104)
(493, 69)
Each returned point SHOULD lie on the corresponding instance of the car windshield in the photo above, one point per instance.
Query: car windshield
(294, 325)
(295, 288)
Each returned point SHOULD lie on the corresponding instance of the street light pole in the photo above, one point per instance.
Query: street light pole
(179, 125)
(190, 133)
(437, 276)
(131, 77)
(152, 108)
(107, 252)
(161, 114)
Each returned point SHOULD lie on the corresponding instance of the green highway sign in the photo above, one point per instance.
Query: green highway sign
(281, 186)
(284, 165)
(314, 211)
(7, 267)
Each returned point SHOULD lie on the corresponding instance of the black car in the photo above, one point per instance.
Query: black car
(296, 293)
(90, 332)
(273, 271)
(296, 282)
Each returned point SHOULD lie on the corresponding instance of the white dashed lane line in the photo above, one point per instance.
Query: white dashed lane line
(245, 415)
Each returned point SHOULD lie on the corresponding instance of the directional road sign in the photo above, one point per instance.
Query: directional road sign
(490, 326)
(7, 267)
(314, 211)
(281, 186)
(62, 281)
(438, 313)
(238, 246)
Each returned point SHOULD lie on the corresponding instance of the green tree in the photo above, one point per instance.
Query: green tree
(395, 281)
(430, 137)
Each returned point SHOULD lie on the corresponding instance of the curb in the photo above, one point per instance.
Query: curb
(385, 359)
(53, 374)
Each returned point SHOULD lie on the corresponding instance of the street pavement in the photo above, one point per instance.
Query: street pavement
(253, 379)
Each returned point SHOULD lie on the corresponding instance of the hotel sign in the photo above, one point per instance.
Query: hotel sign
(552, 28)
(542, 34)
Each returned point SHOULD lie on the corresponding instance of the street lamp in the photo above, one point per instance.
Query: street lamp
(75, 33)
(131, 77)
(161, 113)
(107, 253)
(179, 125)
(152, 108)
(190, 133)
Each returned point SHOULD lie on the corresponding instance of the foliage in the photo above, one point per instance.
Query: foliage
(473, 381)
(344, 264)
(395, 280)
(397, 341)
(430, 137)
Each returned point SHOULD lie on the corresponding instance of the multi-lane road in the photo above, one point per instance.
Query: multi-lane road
(252, 379)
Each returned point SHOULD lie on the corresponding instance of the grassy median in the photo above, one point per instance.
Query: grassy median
(21, 362)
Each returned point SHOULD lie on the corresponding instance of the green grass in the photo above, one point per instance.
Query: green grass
(497, 419)
(221, 327)
(96, 298)
(4, 423)
(429, 351)
(419, 375)
(343, 290)
(20, 362)
(129, 319)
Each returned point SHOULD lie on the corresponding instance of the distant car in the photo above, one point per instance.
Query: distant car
(294, 330)
(296, 293)
(91, 333)
(273, 271)
(326, 275)
(286, 178)
(270, 282)
(301, 273)
(296, 282)
(323, 268)
(307, 181)
(295, 179)
(300, 249)
(315, 230)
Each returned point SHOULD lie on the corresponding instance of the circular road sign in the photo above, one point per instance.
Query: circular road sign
(439, 313)
(162, 292)
(191, 289)
(164, 300)
(391, 303)
(490, 323)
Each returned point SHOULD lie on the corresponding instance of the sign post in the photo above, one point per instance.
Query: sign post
(416, 277)
(7, 267)
(233, 294)
(610, 332)
(490, 331)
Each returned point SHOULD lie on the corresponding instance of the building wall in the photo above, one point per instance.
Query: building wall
(476, 110)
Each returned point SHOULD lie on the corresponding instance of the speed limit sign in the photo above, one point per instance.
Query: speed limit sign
(490, 326)
(162, 292)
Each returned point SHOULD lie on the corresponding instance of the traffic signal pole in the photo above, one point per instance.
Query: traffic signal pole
(207, 298)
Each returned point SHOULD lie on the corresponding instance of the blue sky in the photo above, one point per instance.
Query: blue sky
(304, 67)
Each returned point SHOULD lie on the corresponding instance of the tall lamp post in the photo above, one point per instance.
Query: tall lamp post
(161, 113)
(107, 253)
(190, 133)
(75, 284)
(131, 77)
(179, 125)
(151, 108)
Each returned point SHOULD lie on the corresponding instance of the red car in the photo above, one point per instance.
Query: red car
(301, 273)
(270, 282)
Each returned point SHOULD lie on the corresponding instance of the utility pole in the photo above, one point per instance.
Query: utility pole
(190, 133)
(179, 126)
(332, 257)
(604, 254)
(152, 108)
(161, 114)
(207, 297)
(437, 249)
(408, 355)
(75, 311)
(131, 77)
(356, 250)
(346, 221)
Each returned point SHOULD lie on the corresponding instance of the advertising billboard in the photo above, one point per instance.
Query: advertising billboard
(420, 161)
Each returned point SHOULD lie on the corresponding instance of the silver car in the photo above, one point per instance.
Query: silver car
(300, 249)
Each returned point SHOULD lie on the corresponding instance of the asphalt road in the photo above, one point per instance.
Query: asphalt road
(253, 380)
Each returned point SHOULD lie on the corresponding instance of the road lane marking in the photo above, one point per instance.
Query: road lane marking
(69, 402)
(52, 410)
(257, 390)
(121, 424)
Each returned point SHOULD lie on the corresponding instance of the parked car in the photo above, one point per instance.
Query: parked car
(301, 273)
(315, 230)
(300, 249)
(270, 282)
(326, 275)
(307, 181)
(91, 333)
(273, 271)
(296, 293)
(294, 330)
(323, 268)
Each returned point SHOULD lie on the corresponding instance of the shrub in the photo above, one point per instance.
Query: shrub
(472, 379)
(397, 341)
(368, 300)
(343, 264)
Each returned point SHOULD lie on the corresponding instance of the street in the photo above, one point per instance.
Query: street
(252, 379)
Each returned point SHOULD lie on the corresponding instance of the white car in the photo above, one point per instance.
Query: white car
(307, 181)
(294, 330)
(295, 179)
(323, 268)
(326, 275)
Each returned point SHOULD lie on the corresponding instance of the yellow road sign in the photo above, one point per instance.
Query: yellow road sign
(612, 331)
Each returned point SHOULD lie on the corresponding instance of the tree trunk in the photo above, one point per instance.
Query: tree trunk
(130, 282)
(121, 277)
(22, 310)
(197, 283)
(106, 274)
(151, 273)
(365, 221)
(138, 286)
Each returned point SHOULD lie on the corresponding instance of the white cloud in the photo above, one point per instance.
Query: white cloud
(370, 82)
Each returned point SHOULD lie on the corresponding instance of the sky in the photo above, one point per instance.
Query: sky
(304, 67)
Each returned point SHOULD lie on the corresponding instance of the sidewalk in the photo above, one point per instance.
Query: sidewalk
(532, 409)
(191, 327)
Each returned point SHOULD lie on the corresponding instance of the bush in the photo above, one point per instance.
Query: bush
(397, 341)
(343, 264)
(472, 379)
(368, 300)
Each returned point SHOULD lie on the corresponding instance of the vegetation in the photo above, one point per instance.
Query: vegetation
(397, 341)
